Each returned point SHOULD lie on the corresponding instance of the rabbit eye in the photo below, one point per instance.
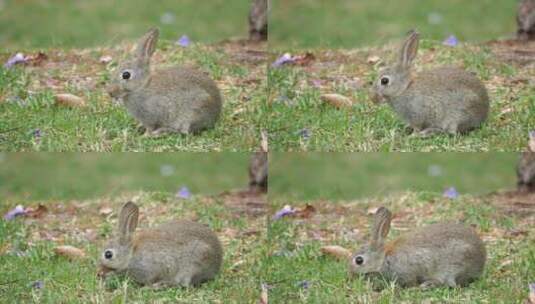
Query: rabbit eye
(108, 254)
(126, 75)
(385, 80)
(359, 260)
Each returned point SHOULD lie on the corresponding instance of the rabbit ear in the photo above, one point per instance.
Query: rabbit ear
(127, 222)
(381, 226)
(147, 45)
(409, 49)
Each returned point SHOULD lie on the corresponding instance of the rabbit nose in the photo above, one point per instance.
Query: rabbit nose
(113, 91)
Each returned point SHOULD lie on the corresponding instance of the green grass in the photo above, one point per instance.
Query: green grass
(347, 176)
(27, 103)
(300, 121)
(343, 187)
(357, 23)
(66, 176)
(295, 254)
(27, 256)
(67, 24)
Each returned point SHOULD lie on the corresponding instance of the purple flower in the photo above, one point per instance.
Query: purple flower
(17, 58)
(286, 210)
(532, 134)
(11, 214)
(183, 193)
(37, 133)
(303, 284)
(38, 285)
(451, 41)
(304, 133)
(184, 41)
(451, 193)
(286, 58)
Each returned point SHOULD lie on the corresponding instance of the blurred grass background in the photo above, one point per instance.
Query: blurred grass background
(347, 176)
(357, 23)
(48, 176)
(86, 23)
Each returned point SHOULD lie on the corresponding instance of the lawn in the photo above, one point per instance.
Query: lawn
(360, 23)
(33, 273)
(298, 272)
(30, 120)
(300, 121)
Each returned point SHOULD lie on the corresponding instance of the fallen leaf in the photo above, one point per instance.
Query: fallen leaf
(305, 212)
(373, 59)
(70, 252)
(338, 252)
(337, 100)
(264, 294)
(36, 213)
(105, 59)
(532, 141)
(105, 211)
(69, 100)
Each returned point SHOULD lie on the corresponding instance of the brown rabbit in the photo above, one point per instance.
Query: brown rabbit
(526, 20)
(171, 100)
(444, 254)
(177, 253)
(440, 100)
(258, 172)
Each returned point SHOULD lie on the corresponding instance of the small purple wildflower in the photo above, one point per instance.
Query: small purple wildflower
(17, 58)
(305, 133)
(38, 284)
(183, 193)
(11, 214)
(303, 284)
(451, 193)
(451, 41)
(184, 41)
(285, 211)
(285, 58)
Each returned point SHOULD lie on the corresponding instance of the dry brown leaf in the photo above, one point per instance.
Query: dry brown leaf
(373, 59)
(305, 212)
(69, 100)
(337, 100)
(264, 295)
(70, 252)
(105, 211)
(36, 213)
(338, 252)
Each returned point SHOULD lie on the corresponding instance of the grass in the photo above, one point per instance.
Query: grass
(350, 23)
(70, 176)
(295, 256)
(31, 121)
(348, 176)
(300, 121)
(27, 256)
(343, 188)
(80, 24)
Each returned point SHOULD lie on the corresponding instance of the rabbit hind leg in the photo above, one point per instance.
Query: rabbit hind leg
(428, 132)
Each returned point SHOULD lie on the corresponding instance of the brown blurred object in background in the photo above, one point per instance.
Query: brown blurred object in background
(526, 20)
(258, 172)
(258, 20)
(526, 172)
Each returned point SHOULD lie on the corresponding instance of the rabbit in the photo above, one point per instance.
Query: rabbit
(258, 20)
(177, 253)
(441, 100)
(258, 172)
(525, 172)
(171, 100)
(442, 254)
(526, 20)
